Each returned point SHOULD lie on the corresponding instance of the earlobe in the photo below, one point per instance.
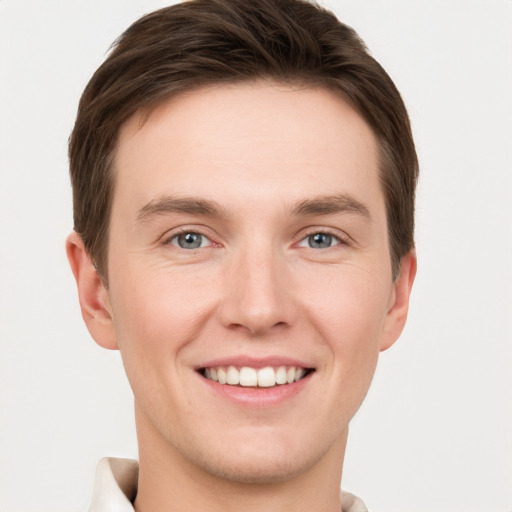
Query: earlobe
(92, 294)
(399, 301)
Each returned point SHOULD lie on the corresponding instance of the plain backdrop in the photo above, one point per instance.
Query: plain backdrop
(435, 433)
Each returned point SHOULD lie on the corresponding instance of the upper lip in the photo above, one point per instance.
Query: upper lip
(255, 362)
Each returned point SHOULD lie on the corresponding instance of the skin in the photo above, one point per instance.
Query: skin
(279, 164)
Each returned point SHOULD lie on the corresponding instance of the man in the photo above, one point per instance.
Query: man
(243, 177)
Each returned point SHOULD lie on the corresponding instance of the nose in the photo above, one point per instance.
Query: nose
(257, 295)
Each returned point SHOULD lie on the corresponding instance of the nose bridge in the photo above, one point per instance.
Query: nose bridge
(256, 292)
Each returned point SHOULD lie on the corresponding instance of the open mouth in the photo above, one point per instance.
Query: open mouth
(246, 376)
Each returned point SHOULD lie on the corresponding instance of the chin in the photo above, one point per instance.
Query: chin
(257, 470)
(260, 458)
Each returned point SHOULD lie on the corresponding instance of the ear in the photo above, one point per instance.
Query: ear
(399, 301)
(92, 294)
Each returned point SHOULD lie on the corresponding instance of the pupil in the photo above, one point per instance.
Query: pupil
(189, 240)
(320, 241)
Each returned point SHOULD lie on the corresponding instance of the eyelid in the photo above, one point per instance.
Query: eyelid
(204, 238)
(199, 230)
(340, 236)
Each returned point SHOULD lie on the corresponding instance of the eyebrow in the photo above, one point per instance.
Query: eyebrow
(171, 204)
(320, 205)
(326, 205)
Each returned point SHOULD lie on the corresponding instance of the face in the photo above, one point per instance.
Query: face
(250, 286)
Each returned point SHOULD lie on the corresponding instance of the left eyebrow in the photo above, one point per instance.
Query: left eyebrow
(326, 205)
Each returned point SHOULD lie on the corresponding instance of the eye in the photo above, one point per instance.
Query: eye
(190, 240)
(319, 241)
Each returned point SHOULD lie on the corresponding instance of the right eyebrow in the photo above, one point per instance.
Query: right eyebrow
(171, 204)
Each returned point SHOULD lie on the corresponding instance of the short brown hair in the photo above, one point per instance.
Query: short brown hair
(202, 42)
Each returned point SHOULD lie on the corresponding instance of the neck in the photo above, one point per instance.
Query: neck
(169, 481)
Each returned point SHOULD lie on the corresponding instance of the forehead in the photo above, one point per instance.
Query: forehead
(267, 137)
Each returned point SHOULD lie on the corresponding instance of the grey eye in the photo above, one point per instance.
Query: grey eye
(321, 241)
(189, 240)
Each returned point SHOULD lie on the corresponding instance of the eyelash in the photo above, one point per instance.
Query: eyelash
(340, 239)
(185, 231)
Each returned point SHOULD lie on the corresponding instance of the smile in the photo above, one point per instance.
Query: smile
(246, 376)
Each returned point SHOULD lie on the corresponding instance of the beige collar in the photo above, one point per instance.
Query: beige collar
(115, 488)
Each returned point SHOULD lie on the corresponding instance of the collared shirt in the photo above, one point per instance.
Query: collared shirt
(115, 488)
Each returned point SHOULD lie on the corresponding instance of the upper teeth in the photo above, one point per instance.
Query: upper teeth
(247, 376)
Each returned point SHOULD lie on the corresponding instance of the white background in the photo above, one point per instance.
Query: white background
(435, 433)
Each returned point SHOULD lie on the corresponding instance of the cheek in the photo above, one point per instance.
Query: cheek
(157, 315)
(157, 312)
(349, 311)
(354, 328)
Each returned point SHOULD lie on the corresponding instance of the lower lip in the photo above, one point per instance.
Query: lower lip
(258, 397)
